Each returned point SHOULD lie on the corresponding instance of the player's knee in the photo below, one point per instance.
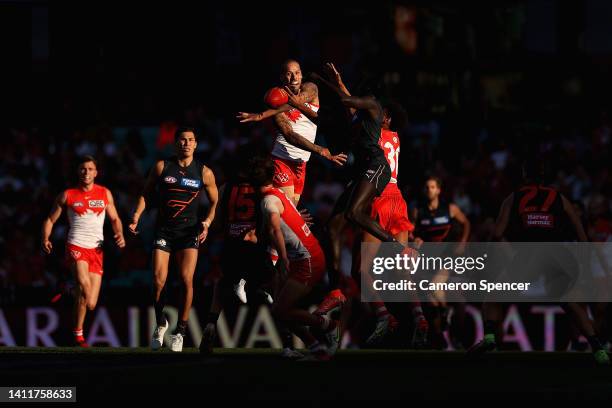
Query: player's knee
(354, 215)
(91, 305)
(159, 281)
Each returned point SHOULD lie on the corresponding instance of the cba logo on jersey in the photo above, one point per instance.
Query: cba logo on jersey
(77, 204)
(186, 182)
(170, 179)
(161, 242)
(96, 203)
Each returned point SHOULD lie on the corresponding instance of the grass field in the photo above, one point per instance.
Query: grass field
(236, 374)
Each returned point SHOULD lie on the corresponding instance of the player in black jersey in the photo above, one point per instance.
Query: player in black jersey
(179, 229)
(244, 252)
(537, 213)
(371, 175)
(433, 220)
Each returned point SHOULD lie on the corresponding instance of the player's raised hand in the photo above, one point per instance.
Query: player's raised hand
(294, 99)
(339, 159)
(47, 246)
(244, 117)
(332, 73)
(119, 240)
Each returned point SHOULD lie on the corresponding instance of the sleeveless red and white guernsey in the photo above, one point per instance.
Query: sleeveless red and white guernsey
(86, 211)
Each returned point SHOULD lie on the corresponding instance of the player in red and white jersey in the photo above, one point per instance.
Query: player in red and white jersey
(301, 261)
(297, 130)
(391, 212)
(86, 207)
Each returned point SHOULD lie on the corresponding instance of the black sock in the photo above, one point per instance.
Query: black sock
(159, 312)
(286, 338)
(211, 318)
(490, 327)
(594, 343)
(181, 327)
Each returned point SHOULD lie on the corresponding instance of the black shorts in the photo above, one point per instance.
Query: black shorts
(170, 240)
(375, 171)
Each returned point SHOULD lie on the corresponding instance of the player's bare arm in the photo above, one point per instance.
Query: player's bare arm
(367, 103)
(298, 140)
(308, 94)
(210, 187)
(276, 234)
(149, 187)
(466, 227)
(335, 77)
(113, 216)
(54, 214)
(574, 219)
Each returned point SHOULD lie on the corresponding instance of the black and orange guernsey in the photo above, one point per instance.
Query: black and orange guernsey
(433, 225)
(178, 219)
(537, 215)
(239, 203)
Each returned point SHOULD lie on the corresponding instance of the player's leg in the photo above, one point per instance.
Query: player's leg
(581, 319)
(284, 178)
(299, 181)
(96, 262)
(492, 314)
(332, 245)
(186, 260)
(161, 258)
(286, 310)
(95, 280)
(385, 322)
(358, 207)
(80, 270)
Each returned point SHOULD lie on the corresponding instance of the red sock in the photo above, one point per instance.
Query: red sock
(78, 335)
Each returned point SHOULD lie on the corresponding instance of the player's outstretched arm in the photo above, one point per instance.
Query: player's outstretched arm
(335, 78)
(300, 141)
(210, 186)
(367, 103)
(56, 212)
(149, 187)
(111, 212)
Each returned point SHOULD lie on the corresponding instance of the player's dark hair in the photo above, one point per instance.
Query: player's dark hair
(86, 159)
(184, 129)
(262, 171)
(437, 179)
